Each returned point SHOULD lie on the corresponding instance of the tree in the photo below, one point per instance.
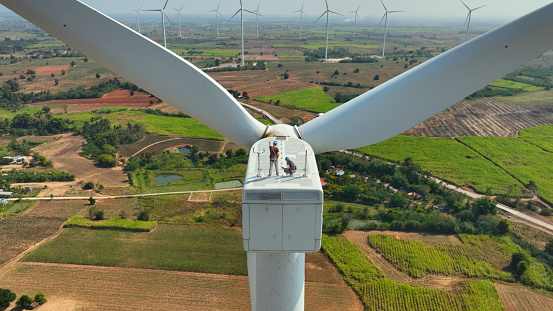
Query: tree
(89, 185)
(518, 257)
(73, 64)
(549, 247)
(503, 226)
(63, 72)
(64, 107)
(6, 297)
(217, 62)
(336, 72)
(92, 201)
(143, 215)
(106, 160)
(241, 152)
(229, 153)
(56, 82)
(484, 206)
(98, 215)
(286, 75)
(376, 77)
(24, 301)
(40, 298)
(98, 76)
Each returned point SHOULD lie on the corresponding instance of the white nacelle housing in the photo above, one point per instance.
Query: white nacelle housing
(282, 213)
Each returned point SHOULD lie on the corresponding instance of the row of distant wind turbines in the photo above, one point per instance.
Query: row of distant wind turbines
(301, 13)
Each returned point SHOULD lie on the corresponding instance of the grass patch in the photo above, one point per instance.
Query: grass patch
(179, 248)
(117, 224)
(313, 99)
(447, 159)
(515, 85)
(529, 99)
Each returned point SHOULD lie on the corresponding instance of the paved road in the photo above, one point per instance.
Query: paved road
(263, 112)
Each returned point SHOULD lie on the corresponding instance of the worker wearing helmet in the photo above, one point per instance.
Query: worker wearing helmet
(291, 167)
(273, 157)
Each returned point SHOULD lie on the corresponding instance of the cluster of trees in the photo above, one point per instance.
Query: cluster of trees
(9, 46)
(318, 54)
(7, 296)
(41, 123)
(349, 84)
(342, 98)
(103, 139)
(158, 112)
(415, 211)
(16, 176)
(237, 94)
(493, 91)
(360, 59)
(10, 98)
(540, 76)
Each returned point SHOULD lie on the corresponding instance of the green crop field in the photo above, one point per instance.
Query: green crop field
(378, 293)
(447, 159)
(168, 247)
(115, 223)
(163, 125)
(523, 160)
(470, 258)
(313, 99)
(529, 98)
(206, 53)
(515, 85)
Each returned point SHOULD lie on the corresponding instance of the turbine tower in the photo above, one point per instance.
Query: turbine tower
(467, 20)
(241, 11)
(327, 12)
(163, 15)
(178, 11)
(356, 16)
(138, 17)
(301, 13)
(385, 18)
(282, 216)
(217, 13)
(257, 14)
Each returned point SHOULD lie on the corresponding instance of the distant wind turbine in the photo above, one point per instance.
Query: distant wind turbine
(356, 16)
(467, 20)
(217, 13)
(241, 11)
(327, 12)
(178, 11)
(257, 14)
(138, 17)
(301, 13)
(385, 18)
(163, 15)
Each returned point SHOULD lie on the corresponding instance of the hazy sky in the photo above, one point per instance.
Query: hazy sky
(370, 9)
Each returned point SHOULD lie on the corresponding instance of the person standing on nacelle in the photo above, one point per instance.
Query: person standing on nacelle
(273, 157)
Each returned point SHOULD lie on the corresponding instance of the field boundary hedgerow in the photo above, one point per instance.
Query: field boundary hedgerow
(111, 224)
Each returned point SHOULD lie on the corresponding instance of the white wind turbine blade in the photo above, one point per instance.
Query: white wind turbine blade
(478, 7)
(165, 5)
(144, 62)
(383, 16)
(234, 15)
(336, 13)
(465, 5)
(325, 12)
(431, 87)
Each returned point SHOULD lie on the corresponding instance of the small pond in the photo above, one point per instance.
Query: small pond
(184, 150)
(165, 179)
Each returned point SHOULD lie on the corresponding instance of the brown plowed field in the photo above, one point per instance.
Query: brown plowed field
(121, 98)
(487, 117)
(75, 287)
(65, 156)
(518, 298)
(359, 238)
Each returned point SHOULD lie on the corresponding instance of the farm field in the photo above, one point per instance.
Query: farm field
(378, 293)
(19, 233)
(113, 288)
(313, 99)
(524, 161)
(447, 159)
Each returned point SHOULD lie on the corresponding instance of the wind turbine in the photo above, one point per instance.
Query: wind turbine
(241, 11)
(217, 13)
(138, 17)
(385, 18)
(163, 15)
(178, 11)
(356, 16)
(301, 13)
(276, 274)
(257, 14)
(467, 20)
(327, 12)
